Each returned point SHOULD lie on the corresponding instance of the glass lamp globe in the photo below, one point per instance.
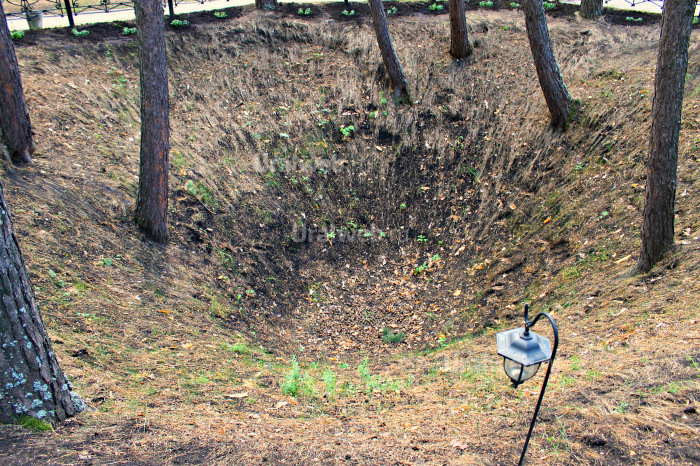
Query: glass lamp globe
(517, 372)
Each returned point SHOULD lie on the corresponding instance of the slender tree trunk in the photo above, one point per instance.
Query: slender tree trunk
(591, 9)
(266, 4)
(459, 40)
(152, 197)
(398, 80)
(15, 127)
(555, 92)
(660, 198)
(31, 381)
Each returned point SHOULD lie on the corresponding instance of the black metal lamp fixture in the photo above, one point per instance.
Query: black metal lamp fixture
(523, 353)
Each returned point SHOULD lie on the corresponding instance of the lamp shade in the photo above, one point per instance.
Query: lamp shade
(523, 352)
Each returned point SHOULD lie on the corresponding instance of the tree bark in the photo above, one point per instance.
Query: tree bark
(15, 127)
(660, 197)
(31, 381)
(152, 197)
(555, 92)
(266, 4)
(591, 9)
(459, 40)
(397, 77)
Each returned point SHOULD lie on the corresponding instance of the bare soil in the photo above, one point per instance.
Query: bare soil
(462, 208)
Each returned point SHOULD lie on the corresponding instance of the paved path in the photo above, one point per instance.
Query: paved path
(55, 21)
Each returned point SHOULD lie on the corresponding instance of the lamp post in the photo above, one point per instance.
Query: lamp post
(523, 353)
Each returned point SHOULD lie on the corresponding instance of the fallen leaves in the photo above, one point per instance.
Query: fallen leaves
(458, 443)
(624, 259)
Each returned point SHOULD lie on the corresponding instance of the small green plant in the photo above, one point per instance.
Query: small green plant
(635, 20)
(330, 380)
(549, 6)
(34, 424)
(220, 14)
(17, 35)
(421, 268)
(403, 205)
(347, 131)
(77, 33)
(297, 384)
(108, 261)
(127, 31)
(515, 5)
(696, 20)
(56, 279)
(390, 337)
(422, 239)
(330, 235)
(304, 12)
(575, 363)
(437, 7)
(623, 407)
(240, 348)
(392, 11)
(179, 23)
(348, 13)
(201, 192)
(486, 4)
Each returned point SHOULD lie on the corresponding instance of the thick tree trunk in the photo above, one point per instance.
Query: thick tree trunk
(591, 9)
(31, 381)
(459, 40)
(555, 92)
(15, 127)
(152, 197)
(398, 80)
(266, 4)
(660, 198)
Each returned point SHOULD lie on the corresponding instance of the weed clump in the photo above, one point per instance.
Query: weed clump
(390, 337)
(297, 383)
(32, 423)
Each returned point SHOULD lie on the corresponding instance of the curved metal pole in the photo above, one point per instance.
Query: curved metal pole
(546, 377)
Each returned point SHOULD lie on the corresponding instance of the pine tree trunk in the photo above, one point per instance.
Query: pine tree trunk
(459, 40)
(15, 127)
(266, 4)
(152, 197)
(591, 9)
(555, 92)
(398, 80)
(31, 381)
(660, 198)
